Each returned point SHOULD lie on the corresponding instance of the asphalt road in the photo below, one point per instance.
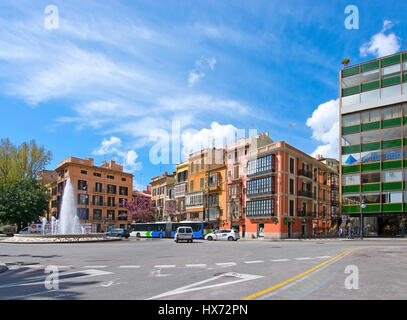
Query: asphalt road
(162, 269)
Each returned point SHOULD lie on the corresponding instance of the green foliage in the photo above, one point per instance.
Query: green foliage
(345, 61)
(22, 162)
(22, 201)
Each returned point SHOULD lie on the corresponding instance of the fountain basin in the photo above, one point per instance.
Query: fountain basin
(59, 238)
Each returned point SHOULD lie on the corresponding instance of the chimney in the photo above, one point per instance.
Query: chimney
(165, 174)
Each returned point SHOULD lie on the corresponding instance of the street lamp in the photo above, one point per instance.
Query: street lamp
(362, 206)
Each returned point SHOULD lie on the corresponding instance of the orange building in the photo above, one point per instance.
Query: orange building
(100, 192)
(288, 193)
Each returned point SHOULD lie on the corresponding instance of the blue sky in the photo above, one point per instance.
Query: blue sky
(113, 78)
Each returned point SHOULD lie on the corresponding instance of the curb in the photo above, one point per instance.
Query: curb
(3, 267)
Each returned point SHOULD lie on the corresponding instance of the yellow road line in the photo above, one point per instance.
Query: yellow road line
(255, 295)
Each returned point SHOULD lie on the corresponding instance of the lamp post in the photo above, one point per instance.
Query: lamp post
(85, 188)
(362, 206)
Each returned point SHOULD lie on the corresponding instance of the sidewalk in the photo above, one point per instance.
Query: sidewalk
(329, 239)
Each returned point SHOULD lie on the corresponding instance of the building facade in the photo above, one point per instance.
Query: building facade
(373, 122)
(181, 189)
(287, 194)
(100, 192)
(160, 193)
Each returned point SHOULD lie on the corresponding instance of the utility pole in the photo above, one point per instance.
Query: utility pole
(362, 206)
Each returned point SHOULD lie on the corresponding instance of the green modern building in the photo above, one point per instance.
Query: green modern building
(373, 145)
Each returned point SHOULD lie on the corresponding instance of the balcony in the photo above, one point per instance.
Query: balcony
(180, 190)
(308, 214)
(306, 194)
(194, 200)
(305, 173)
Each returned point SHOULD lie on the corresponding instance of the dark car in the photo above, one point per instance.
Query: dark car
(118, 233)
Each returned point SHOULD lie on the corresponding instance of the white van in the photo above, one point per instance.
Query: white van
(184, 233)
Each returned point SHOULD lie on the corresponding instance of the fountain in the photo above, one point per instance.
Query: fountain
(63, 230)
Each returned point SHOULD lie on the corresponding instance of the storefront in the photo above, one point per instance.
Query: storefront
(383, 224)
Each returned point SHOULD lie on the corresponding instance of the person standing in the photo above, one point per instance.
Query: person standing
(340, 232)
(350, 231)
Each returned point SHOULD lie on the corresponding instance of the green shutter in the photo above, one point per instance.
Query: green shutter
(405, 141)
(371, 126)
(391, 143)
(391, 123)
(370, 66)
(350, 71)
(372, 208)
(371, 146)
(390, 60)
(404, 56)
(371, 166)
(390, 207)
(351, 149)
(371, 187)
(351, 189)
(405, 120)
(392, 186)
(350, 169)
(350, 209)
(351, 90)
(351, 129)
(390, 81)
(392, 165)
(371, 86)
(405, 77)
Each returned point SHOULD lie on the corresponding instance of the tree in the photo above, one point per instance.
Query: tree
(22, 162)
(170, 208)
(141, 209)
(22, 201)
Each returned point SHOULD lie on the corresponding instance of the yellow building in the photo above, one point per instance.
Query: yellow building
(162, 189)
(100, 192)
(181, 189)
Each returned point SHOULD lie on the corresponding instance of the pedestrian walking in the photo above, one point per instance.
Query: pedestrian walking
(340, 232)
(350, 231)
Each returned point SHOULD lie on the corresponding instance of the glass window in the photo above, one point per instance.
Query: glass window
(370, 116)
(348, 159)
(370, 136)
(371, 177)
(351, 139)
(391, 71)
(350, 120)
(392, 91)
(392, 197)
(350, 179)
(371, 156)
(371, 197)
(370, 76)
(353, 198)
(350, 101)
(351, 81)
(391, 154)
(391, 133)
(405, 65)
(404, 86)
(370, 96)
(392, 175)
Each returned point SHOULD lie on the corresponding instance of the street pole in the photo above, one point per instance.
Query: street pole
(362, 206)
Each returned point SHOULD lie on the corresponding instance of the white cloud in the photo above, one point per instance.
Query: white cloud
(216, 136)
(111, 147)
(201, 66)
(324, 124)
(381, 44)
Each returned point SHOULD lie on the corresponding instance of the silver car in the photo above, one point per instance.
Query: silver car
(184, 234)
(226, 234)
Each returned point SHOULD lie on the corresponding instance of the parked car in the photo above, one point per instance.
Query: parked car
(184, 234)
(118, 233)
(226, 234)
(34, 228)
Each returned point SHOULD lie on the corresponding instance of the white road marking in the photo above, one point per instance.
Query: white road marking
(280, 260)
(33, 266)
(158, 273)
(307, 258)
(193, 287)
(196, 265)
(254, 261)
(226, 264)
(128, 267)
(323, 257)
(165, 266)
